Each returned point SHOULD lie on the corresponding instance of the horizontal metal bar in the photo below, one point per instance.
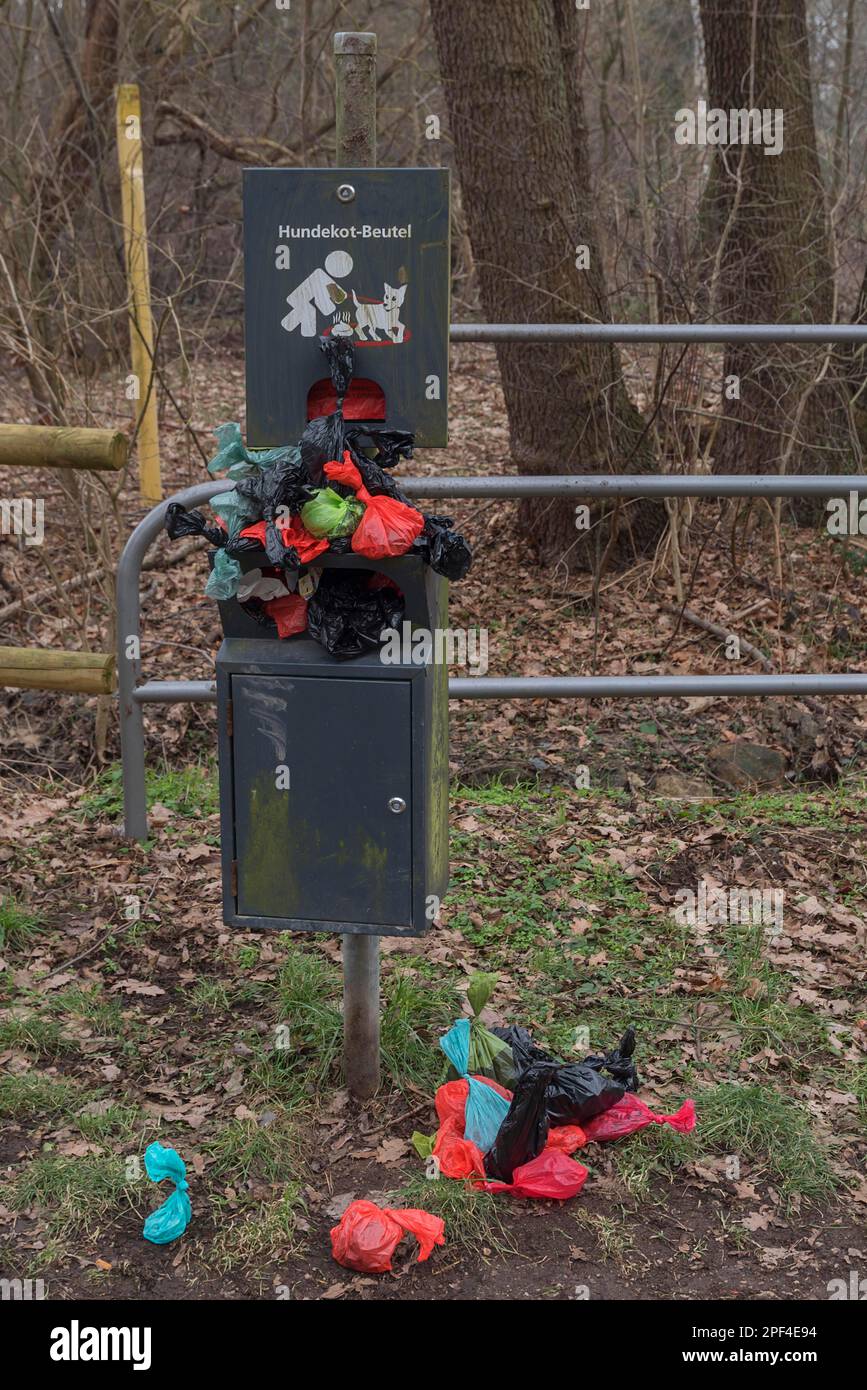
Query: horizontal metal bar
(508, 485)
(175, 692)
(658, 332)
(573, 687)
(636, 485)
(650, 687)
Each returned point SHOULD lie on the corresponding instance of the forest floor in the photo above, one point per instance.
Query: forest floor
(114, 1032)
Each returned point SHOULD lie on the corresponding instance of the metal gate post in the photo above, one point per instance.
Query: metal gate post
(355, 97)
(132, 752)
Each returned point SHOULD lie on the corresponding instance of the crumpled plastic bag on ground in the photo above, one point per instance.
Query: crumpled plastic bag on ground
(550, 1174)
(577, 1090)
(631, 1114)
(367, 1236)
(171, 1219)
(456, 1155)
(524, 1132)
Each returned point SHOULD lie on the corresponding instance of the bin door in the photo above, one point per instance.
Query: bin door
(322, 768)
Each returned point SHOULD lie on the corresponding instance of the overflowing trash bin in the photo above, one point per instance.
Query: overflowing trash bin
(332, 705)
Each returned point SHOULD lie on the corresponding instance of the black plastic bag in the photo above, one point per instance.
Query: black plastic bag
(577, 1091)
(277, 490)
(618, 1062)
(524, 1050)
(391, 445)
(347, 616)
(324, 436)
(375, 479)
(322, 441)
(340, 356)
(524, 1132)
(443, 549)
(283, 487)
(180, 523)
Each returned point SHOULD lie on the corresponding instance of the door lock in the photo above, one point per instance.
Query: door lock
(396, 804)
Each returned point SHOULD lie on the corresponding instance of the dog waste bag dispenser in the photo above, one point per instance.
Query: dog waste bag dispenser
(334, 774)
(360, 253)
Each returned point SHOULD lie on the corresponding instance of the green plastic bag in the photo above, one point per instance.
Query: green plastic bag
(329, 514)
(224, 578)
(489, 1055)
(234, 458)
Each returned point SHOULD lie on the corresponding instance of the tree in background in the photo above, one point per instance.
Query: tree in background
(767, 234)
(510, 73)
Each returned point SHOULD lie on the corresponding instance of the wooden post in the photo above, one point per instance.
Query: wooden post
(61, 446)
(38, 668)
(355, 97)
(129, 153)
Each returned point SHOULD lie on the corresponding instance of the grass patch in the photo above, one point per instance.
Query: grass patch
(769, 1133)
(257, 1234)
(829, 809)
(78, 1193)
(770, 1130)
(653, 1153)
(415, 1012)
(17, 925)
(108, 1017)
(246, 1149)
(473, 1219)
(30, 1094)
(192, 792)
(108, 1121)
(33, 1033)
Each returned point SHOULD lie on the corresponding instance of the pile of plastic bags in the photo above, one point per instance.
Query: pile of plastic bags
(329, 494)
(520, 1139)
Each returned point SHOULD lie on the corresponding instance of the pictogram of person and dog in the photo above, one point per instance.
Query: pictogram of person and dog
(370, 321)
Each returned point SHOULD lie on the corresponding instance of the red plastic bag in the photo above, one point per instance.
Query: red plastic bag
(289, 612)
(367, 1235)
(294, 532)
(345, 472)
(566, 1138)
(631, 1114)
(457, 1157)
(387, 527)
(550, 1174)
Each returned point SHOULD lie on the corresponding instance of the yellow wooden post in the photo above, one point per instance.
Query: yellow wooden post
(129, 152)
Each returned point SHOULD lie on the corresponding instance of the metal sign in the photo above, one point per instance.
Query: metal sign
(359, 253)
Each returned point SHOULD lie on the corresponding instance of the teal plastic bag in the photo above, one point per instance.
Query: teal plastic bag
(485, 1110)
(234, 458)
(224, 578)
(236, 511)
(171, 1219)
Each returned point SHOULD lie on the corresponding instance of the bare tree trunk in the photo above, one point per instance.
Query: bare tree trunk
(510, 74)
(771, 244)
(57, 189)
